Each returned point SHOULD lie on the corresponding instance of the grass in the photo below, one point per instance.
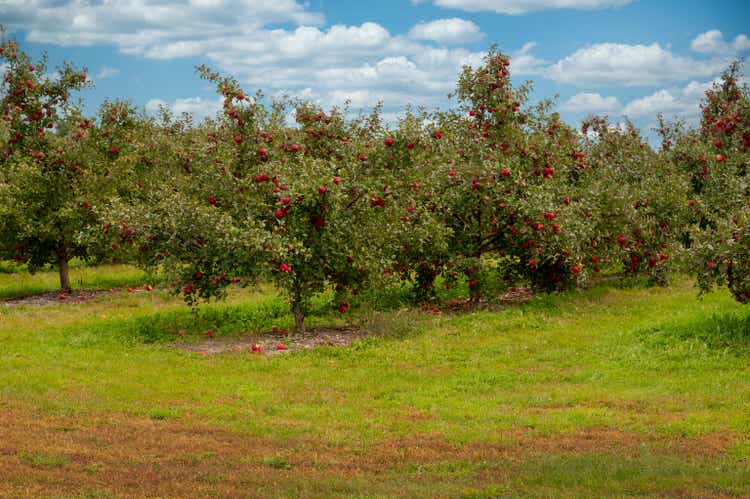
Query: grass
(611, 391)
(20, 284)
(40, 460)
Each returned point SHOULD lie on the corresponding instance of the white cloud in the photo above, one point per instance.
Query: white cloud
(524, 6)
(346, 60)
(680, 101)
(585, 102)
(243, 38)
(712, 42)
(198, 107)
(447, 31)
(143, 26)
(523, 62)
(662, 101)
(629, 65)
(363, 64)
(106, 72)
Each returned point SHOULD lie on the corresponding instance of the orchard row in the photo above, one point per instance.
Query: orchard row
(493, 184)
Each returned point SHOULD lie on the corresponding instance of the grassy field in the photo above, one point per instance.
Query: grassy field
(19, 284)
(611, 391)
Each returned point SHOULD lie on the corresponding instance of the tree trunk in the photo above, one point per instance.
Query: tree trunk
(62, 264)
(299, 316)
(475, 289)
(424, 285)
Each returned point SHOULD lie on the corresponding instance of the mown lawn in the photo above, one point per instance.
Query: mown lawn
(611, 391)
(19, 284)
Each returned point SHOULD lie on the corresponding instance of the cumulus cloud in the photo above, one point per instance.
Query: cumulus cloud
(585, 102)
(712, 42)
(680, 101)
(275, 46)
(523, 62)
(282, 47)
(524, 6)
(447, 31)
(198, 107)
(629, 65)
(355, 60)
(141, 26)
(106, 72)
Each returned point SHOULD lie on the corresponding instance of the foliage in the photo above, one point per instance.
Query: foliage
(493, 186)
(716, 159)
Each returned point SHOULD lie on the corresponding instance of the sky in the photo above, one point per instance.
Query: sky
(633, 58)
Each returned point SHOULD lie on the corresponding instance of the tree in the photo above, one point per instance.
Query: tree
(715, 159)
(42, 185)
(638, 200)
(249, 196)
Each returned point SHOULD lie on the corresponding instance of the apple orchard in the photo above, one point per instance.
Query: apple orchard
(493, 190)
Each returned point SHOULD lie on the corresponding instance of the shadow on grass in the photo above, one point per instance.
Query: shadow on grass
(726, 331)
(18, 283)
(385, 313)
(220, 319)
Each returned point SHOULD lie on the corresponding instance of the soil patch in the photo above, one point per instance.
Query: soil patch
(57, 297)
(137, 457)
(268, 343)
(512, 295)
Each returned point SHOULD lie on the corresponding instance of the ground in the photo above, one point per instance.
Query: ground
(619, 391)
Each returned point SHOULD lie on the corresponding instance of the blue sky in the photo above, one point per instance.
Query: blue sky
(615, 57)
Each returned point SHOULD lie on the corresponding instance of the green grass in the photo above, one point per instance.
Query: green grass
(41, 460)
(276, 462)
(656, 363)
(20, 284)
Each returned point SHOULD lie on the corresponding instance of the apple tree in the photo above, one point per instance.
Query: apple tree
(715, 159)
(639, 201)
(249, 196)
(43, 187)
